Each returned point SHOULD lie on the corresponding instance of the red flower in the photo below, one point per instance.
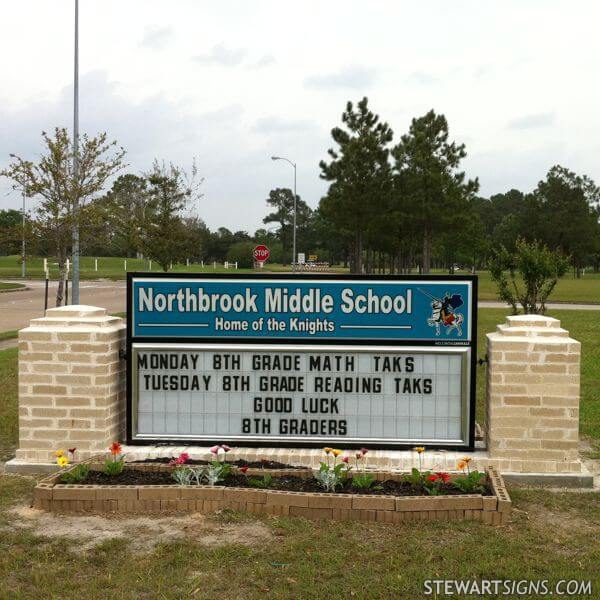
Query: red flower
(443, 476)
(345, 459)
(244, 469)
(184, 457)
(432, 477)
(72, 450)
(115, 448)
(364, 450)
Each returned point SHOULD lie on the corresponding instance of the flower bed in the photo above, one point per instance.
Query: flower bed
(290, 492)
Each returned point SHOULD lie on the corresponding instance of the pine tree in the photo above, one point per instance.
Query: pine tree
(435, 190)
(360, 176)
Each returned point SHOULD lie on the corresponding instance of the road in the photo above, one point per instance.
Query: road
(18, 308)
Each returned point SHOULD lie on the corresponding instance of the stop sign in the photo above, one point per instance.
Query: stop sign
(261, 253)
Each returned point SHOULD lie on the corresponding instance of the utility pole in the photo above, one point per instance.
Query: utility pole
(23, 242)
(294, 227)
(74, 185)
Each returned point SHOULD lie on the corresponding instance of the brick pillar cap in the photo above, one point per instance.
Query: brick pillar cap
(532, 321)
(76, 310)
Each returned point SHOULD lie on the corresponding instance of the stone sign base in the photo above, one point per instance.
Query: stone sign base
(72, 394)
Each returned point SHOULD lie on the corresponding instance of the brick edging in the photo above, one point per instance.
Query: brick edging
(52, 496)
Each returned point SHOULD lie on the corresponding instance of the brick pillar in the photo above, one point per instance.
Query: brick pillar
(71, 383)
(533, 396)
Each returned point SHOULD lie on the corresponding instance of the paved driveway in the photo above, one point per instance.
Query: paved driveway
(18, 308)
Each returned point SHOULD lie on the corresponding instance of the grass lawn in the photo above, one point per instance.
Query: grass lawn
(10, 286)
(8, 335)
(551, 537)
(583, 326)
(111, 267)
(9, 427)
(569, 289)
(586, 289)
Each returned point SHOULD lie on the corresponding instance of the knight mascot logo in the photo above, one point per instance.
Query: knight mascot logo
(443, 313)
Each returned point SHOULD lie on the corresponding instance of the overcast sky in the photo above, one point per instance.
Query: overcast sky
(234, 82)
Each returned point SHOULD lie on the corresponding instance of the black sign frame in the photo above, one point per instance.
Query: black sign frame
(472, 344)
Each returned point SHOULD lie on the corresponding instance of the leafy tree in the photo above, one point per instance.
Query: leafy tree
(282, 200)
(11, 231)
(196, 237)
(359, 174)
(170, 192)
(241, 252)
(62, 194)
(527, 276)
(436, 191)
(567, 215)
(128, 211)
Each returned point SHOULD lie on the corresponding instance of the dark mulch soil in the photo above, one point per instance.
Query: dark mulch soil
(290, 484)
(257, 464)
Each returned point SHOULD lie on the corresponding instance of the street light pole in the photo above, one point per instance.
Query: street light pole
(75, 227)
(23, 242)
(295, 196)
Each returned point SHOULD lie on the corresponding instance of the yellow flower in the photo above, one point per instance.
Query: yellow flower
(327, 450)
(420, 449)
(59, 453)
(467, 459)
(462, 464)
(62, 461)
(336, 453)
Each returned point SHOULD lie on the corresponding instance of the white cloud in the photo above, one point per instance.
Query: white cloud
(515, 88)
(532, 121)
(354, 77)
(221, 55)
(157, 38)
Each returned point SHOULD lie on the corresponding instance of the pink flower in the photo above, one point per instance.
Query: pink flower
(345, 459)
(215, 450)
(364, 450)
(359, 455)
(225, 447)
(184, 457)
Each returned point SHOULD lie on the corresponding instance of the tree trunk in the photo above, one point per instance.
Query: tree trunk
(358, 258)
(426, 258)
(60, 289)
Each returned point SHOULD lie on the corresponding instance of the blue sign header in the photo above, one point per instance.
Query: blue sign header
(437, 311)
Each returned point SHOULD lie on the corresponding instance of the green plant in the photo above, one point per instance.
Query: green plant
(114, 465)
(417, 477)
(77, 474)
(264, 483)
(364, 481)
(332, 476)
(527, 276)
(473, 482)
(183, 475)
(216, 472)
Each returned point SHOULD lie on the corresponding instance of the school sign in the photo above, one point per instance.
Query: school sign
(298, 361)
